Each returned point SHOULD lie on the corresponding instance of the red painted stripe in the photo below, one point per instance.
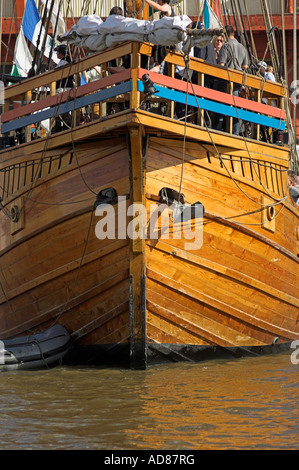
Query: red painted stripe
(56, 100)
(214, 95)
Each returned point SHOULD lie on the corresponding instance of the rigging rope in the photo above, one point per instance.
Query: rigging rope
(225, 12)
(32, 71)
(235, 20)
(187, 63)
(280, 201)
(9, 37)
(244, 32)
(272, 44)
(54, 34)
(42, 51)
(250, 30)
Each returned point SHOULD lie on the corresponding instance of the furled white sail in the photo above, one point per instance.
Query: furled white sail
(96, 35)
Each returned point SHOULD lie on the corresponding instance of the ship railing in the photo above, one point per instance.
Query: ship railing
(35, 101)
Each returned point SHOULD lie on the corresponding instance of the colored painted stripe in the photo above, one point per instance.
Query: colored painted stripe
(214, 95)
(216, 107)
(159, 79)
(75, 93)
(67, 107)
(165, 93)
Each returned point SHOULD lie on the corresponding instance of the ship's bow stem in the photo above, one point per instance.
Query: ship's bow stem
(137, 256)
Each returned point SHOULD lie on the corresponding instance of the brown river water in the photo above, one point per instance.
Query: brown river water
(250, 403)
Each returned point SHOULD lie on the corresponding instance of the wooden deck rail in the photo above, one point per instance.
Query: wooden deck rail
(37, 105)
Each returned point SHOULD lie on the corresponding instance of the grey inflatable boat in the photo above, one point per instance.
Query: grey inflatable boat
(35, 351)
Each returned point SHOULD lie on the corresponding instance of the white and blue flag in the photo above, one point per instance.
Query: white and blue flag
(22, 60)
(32, 28)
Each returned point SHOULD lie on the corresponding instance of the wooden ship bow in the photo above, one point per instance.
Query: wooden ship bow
(146, 236)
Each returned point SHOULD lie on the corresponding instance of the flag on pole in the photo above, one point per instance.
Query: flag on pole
(22, 60)
(210, 19)
(31, 21)
(31, 24)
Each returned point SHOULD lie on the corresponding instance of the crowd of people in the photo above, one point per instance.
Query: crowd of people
(224, 50)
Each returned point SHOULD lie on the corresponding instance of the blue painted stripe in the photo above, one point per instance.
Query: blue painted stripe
(216, 107)
(68, 106)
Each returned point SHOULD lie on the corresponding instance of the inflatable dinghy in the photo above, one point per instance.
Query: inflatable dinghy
(35, 351)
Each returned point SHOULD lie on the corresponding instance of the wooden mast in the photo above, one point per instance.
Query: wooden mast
(137, 9)
(137, 257)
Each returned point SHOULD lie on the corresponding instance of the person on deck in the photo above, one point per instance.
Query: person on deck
(217, 42)
(64, 121)
(294, 186)
(67, 83)
(116, 11)
(269, 75)
(293, 177)
(265, 136)
(126, 61)
(112, 65)
(233, 55)
(208, 55)
(163, 6)
(263, 70)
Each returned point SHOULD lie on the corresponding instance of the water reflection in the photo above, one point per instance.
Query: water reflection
(242, 404)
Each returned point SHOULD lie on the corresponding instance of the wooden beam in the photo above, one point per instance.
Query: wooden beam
(166, 126)
(137, 256)
(135, 95)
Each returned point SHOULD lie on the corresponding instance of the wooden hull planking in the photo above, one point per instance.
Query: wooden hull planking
(240, 289)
